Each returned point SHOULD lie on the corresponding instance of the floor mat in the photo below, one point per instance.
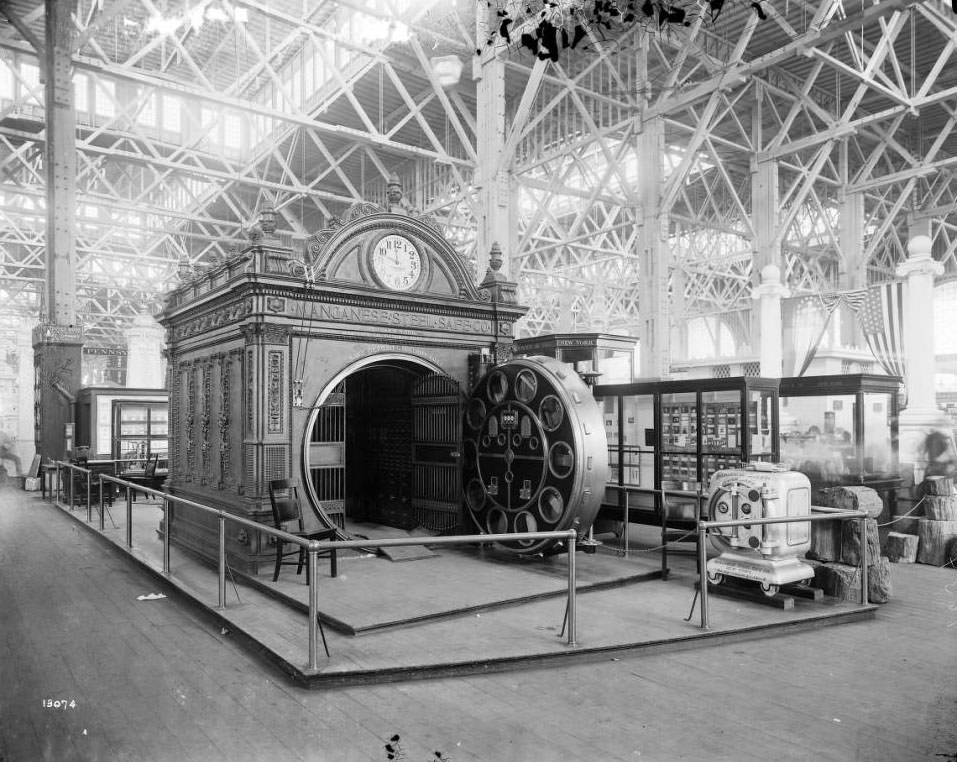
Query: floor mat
(364, 531)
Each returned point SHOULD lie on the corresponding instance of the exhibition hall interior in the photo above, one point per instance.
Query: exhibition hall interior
(478, 380)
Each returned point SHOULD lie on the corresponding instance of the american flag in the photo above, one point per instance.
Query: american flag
(807, 319)
(882, 320)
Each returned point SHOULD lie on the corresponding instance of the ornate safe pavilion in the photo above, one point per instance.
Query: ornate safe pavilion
(346, 369)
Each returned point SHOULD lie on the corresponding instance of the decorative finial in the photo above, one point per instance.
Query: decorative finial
(495, 259)
(393, 190)
(184, 269)
(267, 220)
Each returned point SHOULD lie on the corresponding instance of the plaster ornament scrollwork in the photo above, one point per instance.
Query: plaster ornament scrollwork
(250, 393)
(275, 334)
(206, 373)
(275, 393)
(190, 418)
(230, 313)
(224, 403)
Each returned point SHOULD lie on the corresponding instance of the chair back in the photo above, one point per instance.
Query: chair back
(150, 468)
(284, 498)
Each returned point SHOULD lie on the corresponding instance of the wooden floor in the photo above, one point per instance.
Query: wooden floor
(473, 611)
(155, 680)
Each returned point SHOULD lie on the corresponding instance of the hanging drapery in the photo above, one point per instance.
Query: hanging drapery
(882, 321)
(878, 309)
(811, 315)
(805, 320)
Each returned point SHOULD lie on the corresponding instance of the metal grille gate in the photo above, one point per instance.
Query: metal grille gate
(436, 444)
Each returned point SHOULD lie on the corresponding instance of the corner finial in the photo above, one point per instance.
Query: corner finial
(495, 258)
(267, 220)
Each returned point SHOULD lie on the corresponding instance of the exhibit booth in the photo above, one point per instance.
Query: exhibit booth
(347, 368)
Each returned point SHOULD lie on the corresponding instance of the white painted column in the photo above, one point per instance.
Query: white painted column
(494, 183)
(26, 445)
(770, 342)
(922, 414)
(654, 257)
(766, 253)
(144, 361)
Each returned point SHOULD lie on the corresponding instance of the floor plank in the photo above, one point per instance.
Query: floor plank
(156, 681)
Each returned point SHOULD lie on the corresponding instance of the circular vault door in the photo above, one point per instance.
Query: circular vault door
(536, 456)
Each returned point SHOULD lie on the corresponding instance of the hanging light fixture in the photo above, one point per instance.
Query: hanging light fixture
(447, 69)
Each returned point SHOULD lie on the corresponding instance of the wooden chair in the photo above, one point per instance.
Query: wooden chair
(680, 513)
(286, 509)
(147, 477)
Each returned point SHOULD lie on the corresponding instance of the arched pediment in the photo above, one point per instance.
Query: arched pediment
(347, 254)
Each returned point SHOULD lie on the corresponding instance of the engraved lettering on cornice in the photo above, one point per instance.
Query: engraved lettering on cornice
(401, 319)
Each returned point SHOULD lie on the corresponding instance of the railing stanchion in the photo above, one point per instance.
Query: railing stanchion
(100, 478)
(166, 514)
(864, 560)
(572, 540)
(89, 501)
(56, 494)
(703, 574)
(624, 528)
(129, 517)
(313, 572)
(222, 560)
(70, 472)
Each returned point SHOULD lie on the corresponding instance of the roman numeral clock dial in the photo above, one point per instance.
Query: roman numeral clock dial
(396, 263)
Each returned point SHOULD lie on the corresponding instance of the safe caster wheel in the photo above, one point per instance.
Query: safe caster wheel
(770, 590)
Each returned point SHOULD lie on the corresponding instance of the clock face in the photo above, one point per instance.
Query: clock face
(396, 262)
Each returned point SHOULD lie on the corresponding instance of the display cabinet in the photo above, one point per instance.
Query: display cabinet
(141, 429)
(608, 357)
(122, 423)
(842, 430)
(683, 431)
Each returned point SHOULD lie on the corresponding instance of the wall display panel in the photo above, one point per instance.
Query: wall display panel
(685, 431)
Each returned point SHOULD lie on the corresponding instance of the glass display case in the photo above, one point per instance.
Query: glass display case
(141, 429)
(608, 357)
(683, 431)
(115, 422)
(842, 429)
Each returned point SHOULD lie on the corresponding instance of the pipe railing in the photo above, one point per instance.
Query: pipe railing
(820, 513)
(626, 508)
(314, 547)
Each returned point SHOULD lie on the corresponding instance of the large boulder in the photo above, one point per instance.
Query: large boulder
(937, 541)
(938, 485)
(940, 507)
(879, 581)
(851, 542)
(825, 541)
(840, 580)
(855, 499)
(901, 548)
